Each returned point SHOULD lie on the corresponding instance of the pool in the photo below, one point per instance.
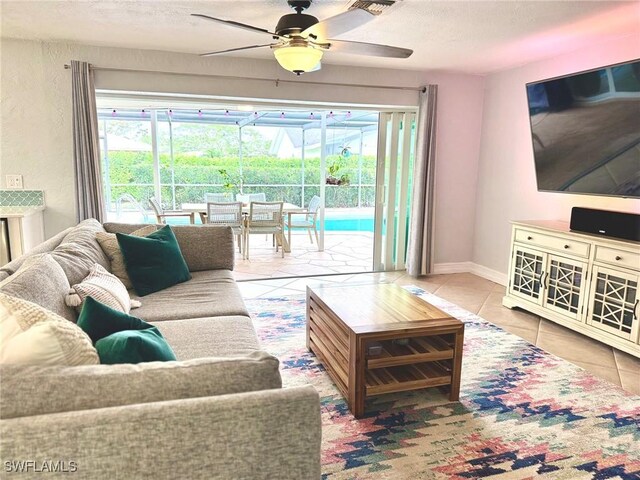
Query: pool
(358, 224)
(334, 221)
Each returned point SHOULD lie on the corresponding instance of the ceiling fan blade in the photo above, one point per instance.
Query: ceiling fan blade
(373, 49)
(338, 24)
(236, 49)
(231, 23)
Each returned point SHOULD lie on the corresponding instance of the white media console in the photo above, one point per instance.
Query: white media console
(585, 282)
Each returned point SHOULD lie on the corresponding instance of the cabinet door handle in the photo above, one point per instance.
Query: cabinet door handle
(635, 310)
(567, 247)
(529, 238)
(618, 257)
(542, 279)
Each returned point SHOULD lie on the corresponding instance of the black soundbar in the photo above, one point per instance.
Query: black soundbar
(604, 222)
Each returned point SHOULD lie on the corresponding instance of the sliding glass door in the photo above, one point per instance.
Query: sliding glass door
(396, 148)
(358, 162)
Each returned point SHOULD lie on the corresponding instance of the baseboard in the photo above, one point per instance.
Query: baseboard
(454, 267)
(470, 267)
(490, 274)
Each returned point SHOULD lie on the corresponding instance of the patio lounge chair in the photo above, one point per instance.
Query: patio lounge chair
(309, 221)
(264, 218)
(162, 215)
(227, 214)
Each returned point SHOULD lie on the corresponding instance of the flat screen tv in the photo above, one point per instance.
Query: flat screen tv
(585, 130)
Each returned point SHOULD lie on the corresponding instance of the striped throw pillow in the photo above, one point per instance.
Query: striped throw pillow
(104, 287)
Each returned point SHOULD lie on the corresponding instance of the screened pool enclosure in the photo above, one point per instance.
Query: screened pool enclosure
(359, 163)
(179, 155)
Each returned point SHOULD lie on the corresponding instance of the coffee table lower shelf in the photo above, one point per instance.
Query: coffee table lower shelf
(407, 377)
(428, 355)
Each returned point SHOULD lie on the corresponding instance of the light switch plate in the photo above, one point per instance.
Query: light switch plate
(14, 181)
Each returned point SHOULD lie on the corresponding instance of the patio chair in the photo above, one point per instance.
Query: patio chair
(264, 218)
(218, 197)
(215, 198)
(309, 221)
(227, 214)
(251, 197)
(162, 215)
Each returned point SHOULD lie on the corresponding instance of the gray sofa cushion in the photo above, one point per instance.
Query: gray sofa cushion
(45, 247)
(204, 247)
(207, 294)
(79, 251)
(42, 281)
(266, 435)
(99, 386)
(210, 337)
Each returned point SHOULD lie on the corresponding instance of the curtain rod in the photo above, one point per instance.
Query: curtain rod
(276, 80)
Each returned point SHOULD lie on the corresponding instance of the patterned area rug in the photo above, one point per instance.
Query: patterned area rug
(523, 413)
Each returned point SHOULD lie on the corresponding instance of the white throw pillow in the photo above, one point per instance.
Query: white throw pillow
(111, 248)
(104, 287)
(32, 335)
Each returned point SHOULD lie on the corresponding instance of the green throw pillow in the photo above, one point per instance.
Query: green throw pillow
(122, 338)
(99, 321)
(134, 346)
(154, 262)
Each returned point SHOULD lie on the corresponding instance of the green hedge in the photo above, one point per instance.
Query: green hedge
(137, 167)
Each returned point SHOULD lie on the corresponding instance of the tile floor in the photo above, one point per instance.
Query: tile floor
(345, 252)
(482, 297)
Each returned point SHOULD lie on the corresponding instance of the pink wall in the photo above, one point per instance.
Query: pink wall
(459, 117)
(506, 178)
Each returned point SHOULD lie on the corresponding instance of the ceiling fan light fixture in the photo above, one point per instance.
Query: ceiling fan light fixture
(298, 58)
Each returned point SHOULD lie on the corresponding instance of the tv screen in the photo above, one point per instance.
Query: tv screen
(585, 130)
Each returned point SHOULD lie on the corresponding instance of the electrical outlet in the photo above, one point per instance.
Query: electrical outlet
(14, 181)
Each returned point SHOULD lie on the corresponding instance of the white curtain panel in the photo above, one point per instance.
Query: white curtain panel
(86, 144)
(420, 248)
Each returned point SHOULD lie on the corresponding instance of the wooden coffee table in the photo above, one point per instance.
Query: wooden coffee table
(421, 346)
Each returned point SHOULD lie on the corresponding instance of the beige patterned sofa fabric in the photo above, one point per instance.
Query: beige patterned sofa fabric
(88, 387)
(203, 247)
(262, 435)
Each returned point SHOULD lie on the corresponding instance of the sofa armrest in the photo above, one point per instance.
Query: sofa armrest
(258, 435)
(33, 390)
(204, 247)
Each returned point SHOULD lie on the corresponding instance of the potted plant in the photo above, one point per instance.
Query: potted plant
(231, 181)
(334, 168)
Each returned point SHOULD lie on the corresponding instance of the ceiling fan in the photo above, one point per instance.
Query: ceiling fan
(301, 39)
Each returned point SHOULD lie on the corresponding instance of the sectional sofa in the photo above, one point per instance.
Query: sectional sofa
(218, 412)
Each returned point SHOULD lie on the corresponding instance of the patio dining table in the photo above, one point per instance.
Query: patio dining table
(287, 209)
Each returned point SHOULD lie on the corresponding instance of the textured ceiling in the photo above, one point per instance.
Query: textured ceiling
(465, 36)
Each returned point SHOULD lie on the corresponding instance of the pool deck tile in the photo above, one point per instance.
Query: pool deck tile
(345, 252)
